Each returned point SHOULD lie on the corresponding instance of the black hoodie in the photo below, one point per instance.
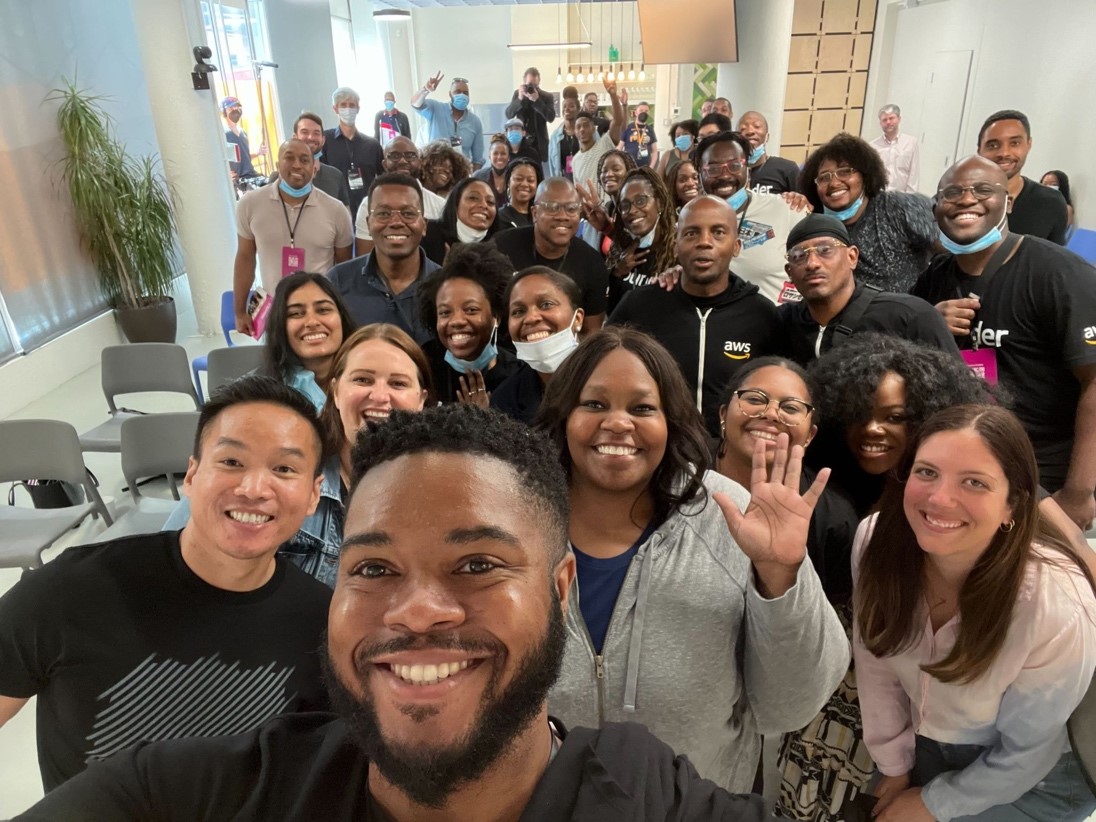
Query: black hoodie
(308, 767)
(710, 337)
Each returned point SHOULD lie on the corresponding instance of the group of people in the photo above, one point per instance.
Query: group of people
(579, 504)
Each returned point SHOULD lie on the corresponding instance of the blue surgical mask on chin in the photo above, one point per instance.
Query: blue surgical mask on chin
(316, 156)
(480, 363)
(845, 213)
(756, 154)
(303, 191)
(460, 102)
(985, 241)
(738, 199)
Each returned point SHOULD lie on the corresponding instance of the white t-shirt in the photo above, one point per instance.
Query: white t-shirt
(584, 163)
(763, 230)
(432, 205)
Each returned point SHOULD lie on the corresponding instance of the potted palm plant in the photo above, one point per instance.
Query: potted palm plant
(124, 215)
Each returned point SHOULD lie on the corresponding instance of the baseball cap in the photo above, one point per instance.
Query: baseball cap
(514, 121)
(230, 102)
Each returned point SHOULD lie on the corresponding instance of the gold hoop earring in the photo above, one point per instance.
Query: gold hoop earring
(1008, 526)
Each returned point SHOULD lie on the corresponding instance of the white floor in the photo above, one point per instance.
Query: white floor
(80, 402)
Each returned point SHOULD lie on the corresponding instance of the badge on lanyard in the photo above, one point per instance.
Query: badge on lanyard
(983, 362)
(354, 177)
(292, 260)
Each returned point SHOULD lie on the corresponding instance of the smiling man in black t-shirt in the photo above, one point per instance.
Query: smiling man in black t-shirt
(1023, 311)
(203, 632)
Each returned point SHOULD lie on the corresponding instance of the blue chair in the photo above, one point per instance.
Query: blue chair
(228, 324)
(1083, 244)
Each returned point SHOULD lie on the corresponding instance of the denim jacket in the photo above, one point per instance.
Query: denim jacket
(315, 547)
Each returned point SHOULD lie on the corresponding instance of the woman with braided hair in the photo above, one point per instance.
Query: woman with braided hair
(643, 235)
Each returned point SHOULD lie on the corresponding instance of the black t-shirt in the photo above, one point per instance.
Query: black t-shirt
(307, 767)
(360, 156)
(122, 642)
(581, 263)
(447, 378)
(710, 337)
(899, 315)
(1039, 315)
(520, 394)
(642, 275)
(1039, 211)
(776, 176)
(510, 217)
(568, 148)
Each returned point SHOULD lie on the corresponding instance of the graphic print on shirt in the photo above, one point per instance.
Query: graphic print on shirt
(171, 699)
(753, 233)
(990, 337)
(732, 349)
(1090, 335)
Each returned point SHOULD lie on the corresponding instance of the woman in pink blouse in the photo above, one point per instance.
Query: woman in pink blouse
(975, 634)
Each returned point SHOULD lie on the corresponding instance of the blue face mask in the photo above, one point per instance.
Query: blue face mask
(514, 137)
(756, 154)
(738, 199)
(389, 105)
(316, 156)
(460, 102)
(683, 143)
(985, 241)
(303, 191)
(480, 363)
(845, 213)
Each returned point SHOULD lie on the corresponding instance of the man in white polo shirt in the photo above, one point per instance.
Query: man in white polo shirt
(288, 226)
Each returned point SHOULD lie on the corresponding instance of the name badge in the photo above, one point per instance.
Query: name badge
(292, 260)
(355, 179)
(983, 363)
(569, 169)
(789, 294)
(455, 141)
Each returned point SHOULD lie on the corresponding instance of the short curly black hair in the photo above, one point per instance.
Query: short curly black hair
(481, 263)
(845, 150)
(843, 381)
(457, 428)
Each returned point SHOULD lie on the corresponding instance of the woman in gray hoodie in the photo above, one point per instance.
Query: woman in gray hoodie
(702, 623)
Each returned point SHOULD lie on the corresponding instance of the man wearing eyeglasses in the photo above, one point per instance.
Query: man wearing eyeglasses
(382, 286)
(821, 264)
(401, 156)
(551, 241)
(1023, 311)
(764, 220)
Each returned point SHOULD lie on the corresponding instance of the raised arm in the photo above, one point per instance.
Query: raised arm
(616, 125)
(418, 101)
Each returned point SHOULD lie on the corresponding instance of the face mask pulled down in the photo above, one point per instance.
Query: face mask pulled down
(548, 354)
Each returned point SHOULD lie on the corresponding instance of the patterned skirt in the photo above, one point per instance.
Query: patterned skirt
(826, 764)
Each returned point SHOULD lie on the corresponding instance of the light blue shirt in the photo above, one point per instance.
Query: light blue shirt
(304, 381)
(469, 129)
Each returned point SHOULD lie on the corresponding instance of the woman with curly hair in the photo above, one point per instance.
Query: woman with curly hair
(895, 231)
(443, 167)
(684, 136)
(683, 182)
(673, 588)
(644, 236)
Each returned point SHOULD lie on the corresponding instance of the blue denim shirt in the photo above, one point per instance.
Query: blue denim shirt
(315, 547)
(304, 382)
(439, 118)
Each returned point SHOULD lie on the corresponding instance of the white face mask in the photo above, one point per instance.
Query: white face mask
(548, 354)
(348, 114)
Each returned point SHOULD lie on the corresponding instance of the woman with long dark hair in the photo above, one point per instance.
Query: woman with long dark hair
(975, 632)
(644, 236)
(683, 181)
(1060, 180)
(307, 324)
(700, 622)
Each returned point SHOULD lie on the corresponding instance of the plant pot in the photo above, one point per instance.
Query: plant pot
(155, 322)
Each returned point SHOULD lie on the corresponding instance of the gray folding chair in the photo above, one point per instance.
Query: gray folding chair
(41, 449)
(133, 368)
(152, 445)
(228, 364)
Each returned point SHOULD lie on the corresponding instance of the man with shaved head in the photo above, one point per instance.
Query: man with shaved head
(713, 321)
(1023, 311)
(769, 174)
(289, 226)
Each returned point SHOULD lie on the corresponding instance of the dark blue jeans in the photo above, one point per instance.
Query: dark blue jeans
(1062, 795)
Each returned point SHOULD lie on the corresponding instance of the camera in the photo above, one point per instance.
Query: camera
(530, 88)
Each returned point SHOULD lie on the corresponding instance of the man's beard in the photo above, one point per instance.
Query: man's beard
(428, 776)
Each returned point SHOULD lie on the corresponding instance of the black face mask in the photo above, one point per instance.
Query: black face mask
(235, 116)
(642, 118)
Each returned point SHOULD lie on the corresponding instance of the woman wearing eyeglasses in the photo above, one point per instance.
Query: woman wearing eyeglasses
(895, 231)
(768, 397)
(644, 235)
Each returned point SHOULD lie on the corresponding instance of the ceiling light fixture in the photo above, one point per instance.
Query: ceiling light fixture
(391, 15)
(578, 44)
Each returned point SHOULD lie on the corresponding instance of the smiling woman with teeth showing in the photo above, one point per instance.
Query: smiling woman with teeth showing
(706, 627)
(975, 632)
(469, 216)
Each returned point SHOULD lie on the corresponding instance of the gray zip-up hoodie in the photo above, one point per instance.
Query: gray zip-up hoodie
(697, 655)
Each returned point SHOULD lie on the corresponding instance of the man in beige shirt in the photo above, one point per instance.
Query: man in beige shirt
(288, 226)
(900, 152)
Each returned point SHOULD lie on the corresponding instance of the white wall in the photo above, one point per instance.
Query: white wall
(1033, 55)
(299, 33)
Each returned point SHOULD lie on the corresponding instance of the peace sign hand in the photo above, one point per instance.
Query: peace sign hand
(473, 389)
(432, 83)
(773, 530)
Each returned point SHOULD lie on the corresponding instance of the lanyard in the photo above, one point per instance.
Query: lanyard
(293, 230)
